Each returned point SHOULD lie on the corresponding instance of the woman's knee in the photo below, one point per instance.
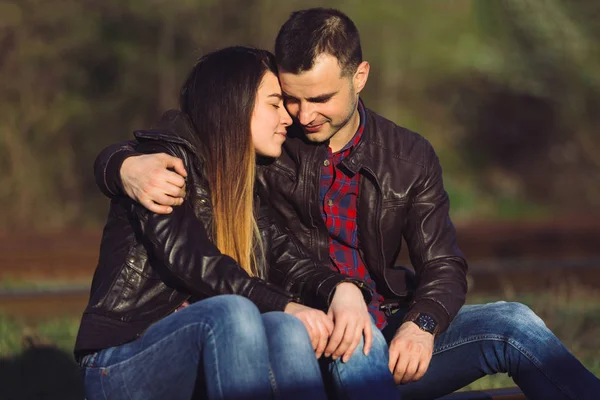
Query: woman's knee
(234, 306)
(286, 329)
(231, 315)
(379, 347)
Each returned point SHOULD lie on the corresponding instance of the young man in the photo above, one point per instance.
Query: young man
(350, 184)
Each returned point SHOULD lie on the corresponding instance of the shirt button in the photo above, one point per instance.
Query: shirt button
(326, 163)
(329, 202)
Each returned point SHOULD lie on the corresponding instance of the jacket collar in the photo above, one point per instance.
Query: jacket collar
(358, 158)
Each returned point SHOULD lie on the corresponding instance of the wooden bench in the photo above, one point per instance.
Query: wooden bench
(491, 394)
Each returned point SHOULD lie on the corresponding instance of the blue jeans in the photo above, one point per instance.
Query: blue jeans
(218, 348)
(502, 337)
(484, 340)
(362, 377)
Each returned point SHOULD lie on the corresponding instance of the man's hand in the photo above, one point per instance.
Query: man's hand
(411, 350)
(351, 319)
(148, 180)
(318, 325)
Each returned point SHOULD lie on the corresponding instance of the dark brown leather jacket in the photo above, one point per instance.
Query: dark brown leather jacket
(150, 264)
(401, 194)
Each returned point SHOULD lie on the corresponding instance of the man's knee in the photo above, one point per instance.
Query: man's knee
(516, 317)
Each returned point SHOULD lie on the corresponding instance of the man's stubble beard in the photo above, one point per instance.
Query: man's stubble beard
(335, 129)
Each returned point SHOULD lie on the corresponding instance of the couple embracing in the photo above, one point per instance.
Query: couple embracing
(250, 245)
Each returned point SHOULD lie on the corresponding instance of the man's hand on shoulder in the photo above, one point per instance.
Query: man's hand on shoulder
(351, 320)
(411, 350)
(148, 179)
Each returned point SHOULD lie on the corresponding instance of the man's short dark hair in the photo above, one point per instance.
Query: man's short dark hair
(309, 33)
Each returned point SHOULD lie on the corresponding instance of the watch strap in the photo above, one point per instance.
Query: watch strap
(425, 322)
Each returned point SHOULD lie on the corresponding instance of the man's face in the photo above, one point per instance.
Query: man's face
(322, 100)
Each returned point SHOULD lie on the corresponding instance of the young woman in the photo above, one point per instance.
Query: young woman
(180, 305)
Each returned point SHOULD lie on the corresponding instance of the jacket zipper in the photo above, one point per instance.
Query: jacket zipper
(320, 222)
(378, 222)
(380, 235)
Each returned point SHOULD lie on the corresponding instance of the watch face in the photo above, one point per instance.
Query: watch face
(426, 322)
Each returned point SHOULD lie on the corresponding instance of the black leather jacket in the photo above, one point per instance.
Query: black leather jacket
(401, 194)
(150, 264)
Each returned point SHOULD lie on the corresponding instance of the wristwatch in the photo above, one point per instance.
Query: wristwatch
(425, 322)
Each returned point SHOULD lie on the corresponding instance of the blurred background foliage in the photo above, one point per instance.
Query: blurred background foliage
(507, 91)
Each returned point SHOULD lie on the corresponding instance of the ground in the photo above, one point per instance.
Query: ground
(554, 267)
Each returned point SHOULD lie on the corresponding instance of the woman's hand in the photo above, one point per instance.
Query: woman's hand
(317, 323)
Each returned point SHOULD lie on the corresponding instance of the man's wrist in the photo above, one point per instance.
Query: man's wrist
(122, 170)
(425, 322)
(347, 286)
(114, 171)
(350, 288)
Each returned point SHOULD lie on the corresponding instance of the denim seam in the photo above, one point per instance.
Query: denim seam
(334, 367)
(126, 388)
(273, 382)
(100, 370)
(211, 337)
(518, 346)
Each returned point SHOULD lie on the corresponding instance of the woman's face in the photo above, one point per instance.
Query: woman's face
(270, 119)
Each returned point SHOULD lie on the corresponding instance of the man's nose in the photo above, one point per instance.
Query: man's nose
(305, 114)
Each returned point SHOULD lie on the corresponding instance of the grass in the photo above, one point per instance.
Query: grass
(59, 332)
(12, 284)
(572, 313)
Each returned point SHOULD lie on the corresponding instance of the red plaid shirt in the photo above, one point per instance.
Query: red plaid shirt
(338, 192)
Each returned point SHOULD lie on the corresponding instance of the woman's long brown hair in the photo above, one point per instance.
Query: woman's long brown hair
(219, 96)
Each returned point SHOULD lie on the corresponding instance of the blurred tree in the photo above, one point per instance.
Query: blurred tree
(505, 90)
(530, 117)
(40, 92)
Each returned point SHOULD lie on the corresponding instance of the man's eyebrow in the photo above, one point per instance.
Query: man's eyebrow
(315, 99)
(321, 97)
